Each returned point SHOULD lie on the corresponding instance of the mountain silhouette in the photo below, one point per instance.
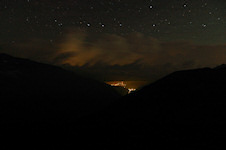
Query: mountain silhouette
(43, 107)
(38, 98)
(184, 110)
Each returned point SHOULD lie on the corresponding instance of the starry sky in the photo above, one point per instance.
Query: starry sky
(116, 39)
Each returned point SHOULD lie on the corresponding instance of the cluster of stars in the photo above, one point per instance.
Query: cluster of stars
(115, 16)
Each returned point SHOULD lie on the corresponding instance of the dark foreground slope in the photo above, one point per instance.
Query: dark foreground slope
(184, 110)
(36, 98)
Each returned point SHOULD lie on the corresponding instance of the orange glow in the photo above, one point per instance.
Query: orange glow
(121, 84)
(131, 90)
(129, 84)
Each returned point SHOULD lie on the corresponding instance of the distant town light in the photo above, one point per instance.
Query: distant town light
(131, 90)
(122, 84)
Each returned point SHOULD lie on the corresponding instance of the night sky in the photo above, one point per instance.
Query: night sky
(116, 39)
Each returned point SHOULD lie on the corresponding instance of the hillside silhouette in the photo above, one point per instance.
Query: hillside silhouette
(38, 98)
(46, 107)
(184, 110)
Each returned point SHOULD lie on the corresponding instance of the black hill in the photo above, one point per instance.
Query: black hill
(38, 86)
(36, 98)
(184, 110)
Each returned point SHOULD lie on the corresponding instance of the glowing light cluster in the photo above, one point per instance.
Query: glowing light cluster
(131, 90)
(122, 84)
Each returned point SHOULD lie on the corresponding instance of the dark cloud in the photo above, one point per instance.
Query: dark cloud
(114, 57)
